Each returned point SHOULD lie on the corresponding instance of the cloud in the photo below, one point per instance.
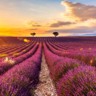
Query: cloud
(78, 30)
(34, 24)
(78, 11)
(60, 23)
(33, 29)
(78, 19)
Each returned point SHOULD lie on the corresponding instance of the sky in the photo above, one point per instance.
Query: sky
(68, 17)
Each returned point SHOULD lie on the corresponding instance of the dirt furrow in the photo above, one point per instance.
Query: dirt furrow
(45, 86)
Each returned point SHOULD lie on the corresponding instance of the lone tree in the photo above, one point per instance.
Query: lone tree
(33, 34)
(55, 34)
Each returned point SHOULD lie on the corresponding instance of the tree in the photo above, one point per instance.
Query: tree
(33, 34)
(55, 34)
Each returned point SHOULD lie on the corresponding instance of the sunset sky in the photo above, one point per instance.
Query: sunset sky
(68, 17)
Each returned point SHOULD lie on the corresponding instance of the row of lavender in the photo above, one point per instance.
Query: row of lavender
(72, 77)
(14, 48)
(23, 55)
(4, 66)
(85, 54)
(20, 79)
(17, 79)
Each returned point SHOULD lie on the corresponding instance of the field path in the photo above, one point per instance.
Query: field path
(45, 86)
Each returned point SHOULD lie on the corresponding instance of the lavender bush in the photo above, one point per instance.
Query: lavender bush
(80, 81)
(63, 66)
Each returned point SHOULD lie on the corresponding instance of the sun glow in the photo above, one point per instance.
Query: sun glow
(26, 40)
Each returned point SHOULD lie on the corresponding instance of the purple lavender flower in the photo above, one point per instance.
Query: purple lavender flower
(63, 66)
(80, 81)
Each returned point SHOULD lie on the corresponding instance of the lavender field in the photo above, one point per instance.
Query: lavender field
(70, 63)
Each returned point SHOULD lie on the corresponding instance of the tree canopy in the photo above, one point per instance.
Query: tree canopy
(55, 34)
